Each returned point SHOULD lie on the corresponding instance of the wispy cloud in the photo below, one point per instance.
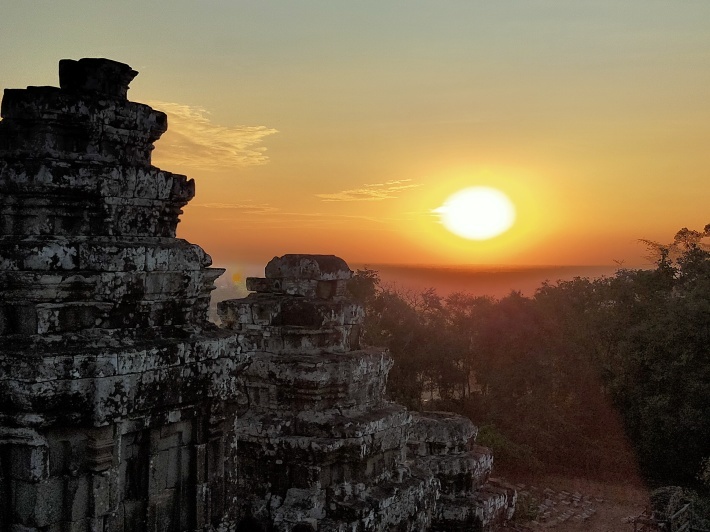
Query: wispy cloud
(268, 216)
(194, 141)
(371, 192)
(245, 207)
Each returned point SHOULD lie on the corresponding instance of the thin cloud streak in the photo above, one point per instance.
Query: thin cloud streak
(194, 141)
(244, 208)
(269, 216)
(371, 192)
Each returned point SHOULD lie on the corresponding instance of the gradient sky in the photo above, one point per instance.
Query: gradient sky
(337, 127)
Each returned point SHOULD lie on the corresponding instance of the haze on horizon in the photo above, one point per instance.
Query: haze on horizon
(321, 127)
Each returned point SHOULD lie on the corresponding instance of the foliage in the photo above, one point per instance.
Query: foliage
(574, 378)
(516, 456)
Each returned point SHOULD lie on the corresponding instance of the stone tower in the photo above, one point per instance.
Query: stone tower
(115, 391)
(123, 409)
(320, 448)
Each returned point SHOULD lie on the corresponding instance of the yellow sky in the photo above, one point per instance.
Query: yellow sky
(337, 127)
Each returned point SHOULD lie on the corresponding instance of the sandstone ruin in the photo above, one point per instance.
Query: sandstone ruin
(122, 408)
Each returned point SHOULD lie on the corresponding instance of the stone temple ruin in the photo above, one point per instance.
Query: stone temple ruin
(122, 408)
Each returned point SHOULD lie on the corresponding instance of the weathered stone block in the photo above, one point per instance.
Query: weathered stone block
(66, 454)
(440, 433)
(77, 500)
(82, 525)
(314, 382)
(102, 496)
(67, 317)
(38, 504)
(102, 76)
(309, 267)
(18, 319)
(58, 255)
(461, 475)
(29, 462)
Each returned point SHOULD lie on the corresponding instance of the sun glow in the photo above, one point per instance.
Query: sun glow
(477, 213)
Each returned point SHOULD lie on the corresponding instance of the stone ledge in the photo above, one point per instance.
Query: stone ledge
(435, 433)
(387, 505)
(50, 362)
(96, 75)
(91, 179)
(334, 423)
(53, 253)
(312, 267)
(266, 309)
(102, 400)
(460, 475)
(309, 382)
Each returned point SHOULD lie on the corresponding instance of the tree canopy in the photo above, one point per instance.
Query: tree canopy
(590, 375)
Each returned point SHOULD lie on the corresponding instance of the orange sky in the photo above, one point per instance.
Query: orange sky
(334, 127)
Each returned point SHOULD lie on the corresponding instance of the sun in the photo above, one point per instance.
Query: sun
(477, 213)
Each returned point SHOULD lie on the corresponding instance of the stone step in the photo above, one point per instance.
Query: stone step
(298, 449)
(493, 504)
(311, 288)
(460, 475)
(69, 216)
(278, 310)
(90, 341)
(89, 180)
(315, 382)
(333, 423)
(119, 383)
(118, 352)
(438, 433)
(404, 504)
(88, 286)
(43, 318)
(105, 254)
(261, 475)
(278, 460)
(46, 122)
(295, 340)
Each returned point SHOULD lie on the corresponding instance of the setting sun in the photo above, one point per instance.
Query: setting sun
(477, 213)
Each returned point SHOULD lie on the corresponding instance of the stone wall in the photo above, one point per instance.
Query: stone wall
(122, 408)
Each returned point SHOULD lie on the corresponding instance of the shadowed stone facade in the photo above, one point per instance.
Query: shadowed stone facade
(319, 445)
(116, 394)
(123, 409)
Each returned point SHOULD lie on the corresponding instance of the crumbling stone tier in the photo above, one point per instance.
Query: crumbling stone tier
(319, 444)
(122, 408)
(116, 393)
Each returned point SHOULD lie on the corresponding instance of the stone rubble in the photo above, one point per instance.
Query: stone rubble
(554, 509)
(122, 408)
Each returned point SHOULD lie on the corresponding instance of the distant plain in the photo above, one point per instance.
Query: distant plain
(478, 280)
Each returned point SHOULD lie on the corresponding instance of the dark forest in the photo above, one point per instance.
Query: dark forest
(597, 377)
